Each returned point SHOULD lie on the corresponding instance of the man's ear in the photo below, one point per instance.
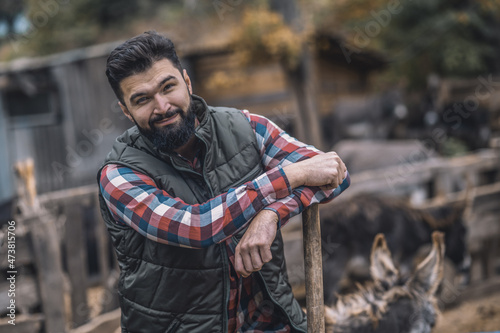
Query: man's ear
(187, 80)
(126, 112)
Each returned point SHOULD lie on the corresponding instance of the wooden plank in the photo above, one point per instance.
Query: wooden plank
(108, 277)
(49, 271)
(401, 179)
(479, 290)
(102, 237)
(313, 270)
(26, 294)
(77, 262)
(483, 217)
(24, 254)
(104, 323)
(68, 194)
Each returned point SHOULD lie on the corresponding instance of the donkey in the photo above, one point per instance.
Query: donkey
(348, 228)
(390, 303)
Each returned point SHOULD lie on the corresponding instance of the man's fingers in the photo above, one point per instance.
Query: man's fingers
(251, 260)
(238, 264)
(265, 254)
(247, 262)
(256, 260)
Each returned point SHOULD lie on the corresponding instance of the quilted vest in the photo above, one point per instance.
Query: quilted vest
(165, 288)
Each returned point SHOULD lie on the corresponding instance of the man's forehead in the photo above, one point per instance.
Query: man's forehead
(150, 78)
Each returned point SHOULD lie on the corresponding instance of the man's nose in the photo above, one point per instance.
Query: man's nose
(162, 103)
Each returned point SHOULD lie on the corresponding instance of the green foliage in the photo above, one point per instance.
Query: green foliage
(263, 37)
(59, 25)
(447, 37)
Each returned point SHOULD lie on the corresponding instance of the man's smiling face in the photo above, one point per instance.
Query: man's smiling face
(158, 101)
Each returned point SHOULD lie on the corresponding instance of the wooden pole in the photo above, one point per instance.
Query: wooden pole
(49, 269)
(313, 270)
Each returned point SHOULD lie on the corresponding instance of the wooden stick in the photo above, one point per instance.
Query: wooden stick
(313, 270)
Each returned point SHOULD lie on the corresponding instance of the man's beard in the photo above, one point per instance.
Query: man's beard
(170, 137)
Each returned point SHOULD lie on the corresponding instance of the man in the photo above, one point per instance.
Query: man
(194, 197)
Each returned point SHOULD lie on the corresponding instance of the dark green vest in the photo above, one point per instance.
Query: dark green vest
(164, 288)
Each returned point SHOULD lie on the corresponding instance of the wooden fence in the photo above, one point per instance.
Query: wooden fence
(63, 251)
(474, 179)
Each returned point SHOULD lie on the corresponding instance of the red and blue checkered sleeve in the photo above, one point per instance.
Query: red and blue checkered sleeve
(134, 200)
(277, 148)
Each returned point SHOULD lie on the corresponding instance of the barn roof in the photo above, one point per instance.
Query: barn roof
(31, 63)
(203, 44)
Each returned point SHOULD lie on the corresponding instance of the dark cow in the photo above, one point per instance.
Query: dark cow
(349, 226)
(391, 303)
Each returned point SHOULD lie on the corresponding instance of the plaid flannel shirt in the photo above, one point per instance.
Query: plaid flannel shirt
(134, 200)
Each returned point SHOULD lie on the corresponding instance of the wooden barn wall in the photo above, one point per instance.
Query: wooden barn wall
(336, 81)
(259, 88)
(92, 119)
(68, 153)
(263, 90)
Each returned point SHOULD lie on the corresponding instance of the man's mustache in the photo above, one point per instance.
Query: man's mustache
(160, 117)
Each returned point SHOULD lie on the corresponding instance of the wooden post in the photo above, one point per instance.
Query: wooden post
(77, 261)
(313, 270)
(49, 271)
(102, 242)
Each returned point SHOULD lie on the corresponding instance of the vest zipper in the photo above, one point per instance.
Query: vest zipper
(225, 265)
(204, 164)
(278, 305)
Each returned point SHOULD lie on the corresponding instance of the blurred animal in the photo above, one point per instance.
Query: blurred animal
(377, 116)
(348, 227)
(472, 128)
(390, 303)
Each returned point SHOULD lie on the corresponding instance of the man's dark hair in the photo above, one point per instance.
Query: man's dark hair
(137, 55)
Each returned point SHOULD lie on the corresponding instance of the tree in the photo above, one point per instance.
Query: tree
(275, 35)
(447, 37)
(57, 25)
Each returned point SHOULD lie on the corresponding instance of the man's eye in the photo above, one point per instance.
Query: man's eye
(167, 87)
(141, 100)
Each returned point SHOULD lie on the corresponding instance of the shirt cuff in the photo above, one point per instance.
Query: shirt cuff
(273, 185)
(276, 212)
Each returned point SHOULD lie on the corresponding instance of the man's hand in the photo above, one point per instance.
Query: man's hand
(325, 170)
(254, 248)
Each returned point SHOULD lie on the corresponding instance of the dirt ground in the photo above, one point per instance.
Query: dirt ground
(480, 315)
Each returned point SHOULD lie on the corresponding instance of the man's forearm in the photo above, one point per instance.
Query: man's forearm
(134, 200)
